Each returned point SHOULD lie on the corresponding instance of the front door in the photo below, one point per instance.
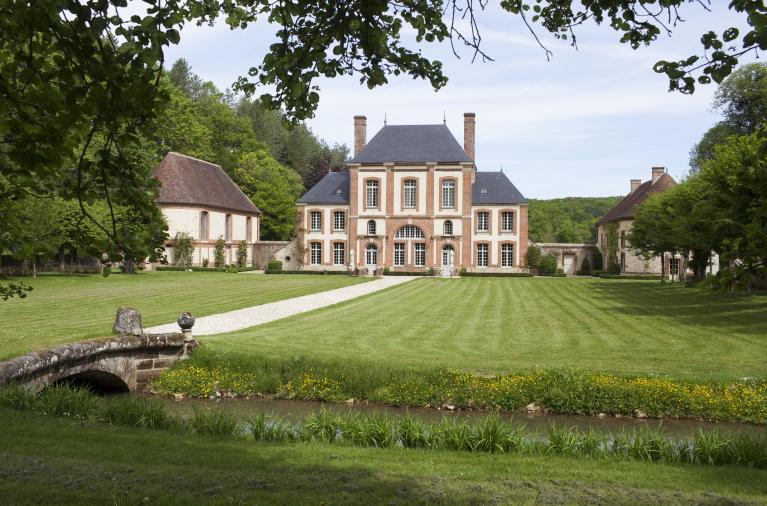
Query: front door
(568, 264)
(371, 258)
(448, 258)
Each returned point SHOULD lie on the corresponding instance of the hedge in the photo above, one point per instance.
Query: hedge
(203, 269)
(497, 274)
(653, 277)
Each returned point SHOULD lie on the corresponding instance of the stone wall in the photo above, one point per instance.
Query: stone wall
(570, 256)
(263, 251)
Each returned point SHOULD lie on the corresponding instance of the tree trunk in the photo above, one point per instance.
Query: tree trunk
(663, 267)
(34, 268)
(129, 266)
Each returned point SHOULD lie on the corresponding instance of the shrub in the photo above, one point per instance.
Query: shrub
(218, 256)
(183, 250)
(386, 270)
(614, 268)
(585, 267)
(548, 265)
(273, 266)
(205, 262)
(242, 254)
(533, 257)
(597, 260)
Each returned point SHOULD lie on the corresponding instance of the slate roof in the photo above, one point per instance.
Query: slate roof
(627, 208)
(326, 191)
(412, 144)
(497, 190)
(188, 181)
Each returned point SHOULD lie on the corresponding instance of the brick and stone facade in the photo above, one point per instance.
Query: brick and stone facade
(412, 200)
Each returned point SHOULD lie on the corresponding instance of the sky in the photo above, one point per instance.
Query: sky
(582, 124)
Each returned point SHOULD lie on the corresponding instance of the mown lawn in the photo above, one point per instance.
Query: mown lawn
(508, 324)
(54, 461)
(64, 309)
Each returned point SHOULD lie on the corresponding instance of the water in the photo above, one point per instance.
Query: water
(296, 410)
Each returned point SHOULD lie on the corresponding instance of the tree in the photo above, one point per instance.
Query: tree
(273, 188)
(742, 100)
(184, 79)
(328, 160)
(652, 232)
(570, 219)
(533, 257)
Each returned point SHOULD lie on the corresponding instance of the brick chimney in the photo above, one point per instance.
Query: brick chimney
(635, 184)
(469, 119)
(657, 172)
(360, 133)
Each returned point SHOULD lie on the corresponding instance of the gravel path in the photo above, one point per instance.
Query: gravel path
(265, 313)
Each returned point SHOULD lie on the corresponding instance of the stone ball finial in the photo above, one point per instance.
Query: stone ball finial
(186, 321)
(128, 322)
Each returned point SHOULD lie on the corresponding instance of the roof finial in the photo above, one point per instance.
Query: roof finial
(384, 119)
(444, 117)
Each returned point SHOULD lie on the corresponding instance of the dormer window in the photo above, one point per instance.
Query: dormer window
(339, 191)
(483, 191)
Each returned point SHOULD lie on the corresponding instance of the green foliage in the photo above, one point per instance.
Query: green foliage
(205, 263)
(242, 253)
(273, 266)
(183, 250)
(14, 290)
(742, 100)
(548, 265)
(218, 253)
(570, 219)
(273, 188)
(553, 390)
(533, 257)
(610, 247)
(585, 267)
(597, 260)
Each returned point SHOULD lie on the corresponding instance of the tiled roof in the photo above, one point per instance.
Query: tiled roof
(331, 189)
(494, 188)
(188, 181)
(412, 144)
(627, 208)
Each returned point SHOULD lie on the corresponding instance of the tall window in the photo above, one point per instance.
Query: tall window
(371, 193)
(673, 266)
(371, 255)
(448, 193)
(204, 225)
(447, 227)
(482, 255)
(623, 238)
(371, 227)
(409, 232)
(623, 262)
(249, 229)
(228, 228)
(419, 258)
(507, 221)
(409, 194)
(315, 221)
(399, 254)
(338, 253)
(507, 255)
(339, 221)
(316, 253)
(483, 218)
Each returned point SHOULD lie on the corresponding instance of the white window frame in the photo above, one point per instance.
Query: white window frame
(447, 228)
(507, 221)
(419, 254)
(372, 227)
(507, 255)
(339, 253)
(204, 222)
(228, 228)
(409, 194)
(483, 255)
(371, 194)
(409, 232)
(318, 226)
(673, 266)
(399, 254)
(448, 193)
(483, 221)
(339, 221)
(315, 253)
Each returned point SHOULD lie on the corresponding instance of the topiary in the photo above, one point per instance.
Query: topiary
(548, 265)
(274, 266)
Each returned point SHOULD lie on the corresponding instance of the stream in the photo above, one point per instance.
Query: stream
(293, 410)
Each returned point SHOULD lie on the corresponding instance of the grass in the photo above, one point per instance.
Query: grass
(498, 325)
(67, 308)
(63, 461)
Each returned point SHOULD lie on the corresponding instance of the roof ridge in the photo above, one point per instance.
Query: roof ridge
(195, 159)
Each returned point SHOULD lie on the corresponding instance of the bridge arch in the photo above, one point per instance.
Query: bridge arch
(98, 381)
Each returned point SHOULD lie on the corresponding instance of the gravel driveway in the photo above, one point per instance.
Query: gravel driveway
(265, 313)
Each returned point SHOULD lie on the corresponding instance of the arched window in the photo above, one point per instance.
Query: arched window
(409, 232)
(371, 227)
(447, 227)
(371, 255)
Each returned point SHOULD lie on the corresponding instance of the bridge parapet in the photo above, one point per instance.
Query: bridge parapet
(121, 363)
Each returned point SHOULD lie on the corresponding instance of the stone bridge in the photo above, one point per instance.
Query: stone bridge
(123, 363)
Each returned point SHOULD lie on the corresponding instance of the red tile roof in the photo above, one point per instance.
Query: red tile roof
(627, 208)
(191, 182)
